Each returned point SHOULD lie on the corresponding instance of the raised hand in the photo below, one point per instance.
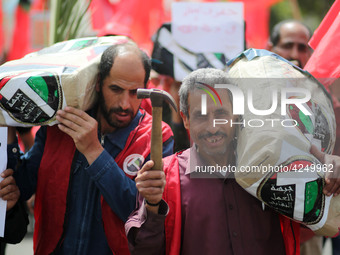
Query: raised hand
(83, 130)
(9, 191)
(150, 184)
(332, 177)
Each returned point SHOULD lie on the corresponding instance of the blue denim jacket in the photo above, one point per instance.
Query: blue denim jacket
(84, 232)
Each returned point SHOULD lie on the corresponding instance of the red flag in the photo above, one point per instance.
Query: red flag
(20, 40)
(137, 19)
(257, 20)
(325, 24)
(141, 19)
(324, 62)
(101, 13)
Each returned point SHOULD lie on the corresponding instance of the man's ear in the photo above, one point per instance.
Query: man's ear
(186, 121)
(269, 45)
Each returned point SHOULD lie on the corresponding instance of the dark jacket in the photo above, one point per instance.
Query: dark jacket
(15, 226)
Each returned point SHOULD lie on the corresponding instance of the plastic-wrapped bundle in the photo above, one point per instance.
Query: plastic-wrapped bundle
(34, 88)
(273, 159)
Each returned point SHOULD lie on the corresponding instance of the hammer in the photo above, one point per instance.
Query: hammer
(157, 97)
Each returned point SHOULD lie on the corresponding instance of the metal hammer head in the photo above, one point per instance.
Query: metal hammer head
(157, 97)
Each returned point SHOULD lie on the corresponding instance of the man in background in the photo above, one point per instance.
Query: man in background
(289, 39)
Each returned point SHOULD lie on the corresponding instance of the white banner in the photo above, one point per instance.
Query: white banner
(209, 27)
(3, 165)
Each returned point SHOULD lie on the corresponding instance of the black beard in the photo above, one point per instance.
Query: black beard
(106, 113)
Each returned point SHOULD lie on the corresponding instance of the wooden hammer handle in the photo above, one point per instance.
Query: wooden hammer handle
(156, 138)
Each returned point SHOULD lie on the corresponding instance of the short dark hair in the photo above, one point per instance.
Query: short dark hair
(275, 34)
(192, 81)
(109, 55)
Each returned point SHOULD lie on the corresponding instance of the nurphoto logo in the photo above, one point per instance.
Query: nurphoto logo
(238, 99)
(279, 98)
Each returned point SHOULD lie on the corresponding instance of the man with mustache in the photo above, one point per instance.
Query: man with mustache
(82, 169)
(202, 209)
(289, 39)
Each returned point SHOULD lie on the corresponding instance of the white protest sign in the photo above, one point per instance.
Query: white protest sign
(209, 27)
(3, 164)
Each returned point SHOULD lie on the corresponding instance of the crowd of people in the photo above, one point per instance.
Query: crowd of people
(87, 202)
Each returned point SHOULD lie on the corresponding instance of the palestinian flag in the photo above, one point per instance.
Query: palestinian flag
(31, 98)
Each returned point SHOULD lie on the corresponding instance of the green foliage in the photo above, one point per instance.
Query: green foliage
(312, 12)
(66, 19)
(279, 12)
(26, 4)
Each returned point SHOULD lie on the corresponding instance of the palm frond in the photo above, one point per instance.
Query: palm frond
(67, 19)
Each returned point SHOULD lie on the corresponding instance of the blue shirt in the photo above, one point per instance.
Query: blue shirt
(84, 232)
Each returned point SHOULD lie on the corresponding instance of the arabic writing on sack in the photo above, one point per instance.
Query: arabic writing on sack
(281, 196)
(24, 108)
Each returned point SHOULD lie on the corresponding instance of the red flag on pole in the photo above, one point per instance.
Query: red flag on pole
(325, 24)
(324, 62)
